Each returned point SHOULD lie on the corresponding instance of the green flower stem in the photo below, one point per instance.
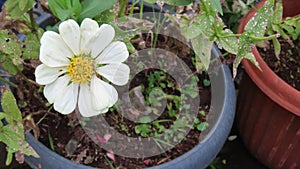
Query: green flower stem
(123, 4)
(8, 82)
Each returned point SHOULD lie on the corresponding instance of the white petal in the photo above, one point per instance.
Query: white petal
(96, 98)
(52, 90)
(112, 93)
(45, 75)
(116, 52)
(88, 28)
(85, 106)
(117, 73)
(70, 32)
(66, 101)
(104, 110)
(101, 39)
(54, 52)
(100, 96)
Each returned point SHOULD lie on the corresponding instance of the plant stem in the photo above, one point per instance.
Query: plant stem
(271, 37)
(33, 24)
(141, 9)
(8, 82)
(123, 4)
(229, 36)
(29, 81)
(132, 8)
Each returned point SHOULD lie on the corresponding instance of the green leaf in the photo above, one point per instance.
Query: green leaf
(180, 124)
(257, 25)
(179, 2)
(278, 29)
(230, 44)
(202, 112)
(9, 157)
(10, 67)
(277, 17)
(145, 119)
(217, 5)
(92, 8)
(64, 9)
(10, 137)
(188, 28)
(171, 2)
(196, 121)
(232, 138)
(202, 126)
(22, 4)
(17, 9)
(32, 46)
(150, 1)
(142, 129)
(127, 34)
(277, 47)
(13, 133)
(293, 21)
(10, 107)
(206, 82)
(16, 141)
(2, 115)
(288, 28)
(106, 17)
(137, 129)
(202, 47)
(244, 51)
(210, 24)
(10, 53)
(9, 44)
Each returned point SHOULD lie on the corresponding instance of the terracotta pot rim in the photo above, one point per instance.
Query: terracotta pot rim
(270, 83)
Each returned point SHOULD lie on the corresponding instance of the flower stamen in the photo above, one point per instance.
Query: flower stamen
(81, 69)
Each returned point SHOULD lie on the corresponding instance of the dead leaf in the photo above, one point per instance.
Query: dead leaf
(81, 156)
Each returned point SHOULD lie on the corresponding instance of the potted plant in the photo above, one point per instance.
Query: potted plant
(201, 28)
(268, 107)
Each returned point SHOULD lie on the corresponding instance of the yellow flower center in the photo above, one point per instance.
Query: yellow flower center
(81, 69)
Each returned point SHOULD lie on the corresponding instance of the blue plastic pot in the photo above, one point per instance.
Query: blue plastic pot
(1, 4)
(220, 121)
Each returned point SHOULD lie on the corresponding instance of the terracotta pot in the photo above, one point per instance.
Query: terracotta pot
(291, 8)
(268, 110)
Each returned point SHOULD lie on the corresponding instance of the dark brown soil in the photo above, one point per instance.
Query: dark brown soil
(54, 128)
(287, 66)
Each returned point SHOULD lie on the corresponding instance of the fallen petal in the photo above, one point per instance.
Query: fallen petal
(147, 162)
(111, 155)
(107, 137)
(101, 139)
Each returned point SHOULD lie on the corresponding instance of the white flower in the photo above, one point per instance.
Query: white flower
(74, 64)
